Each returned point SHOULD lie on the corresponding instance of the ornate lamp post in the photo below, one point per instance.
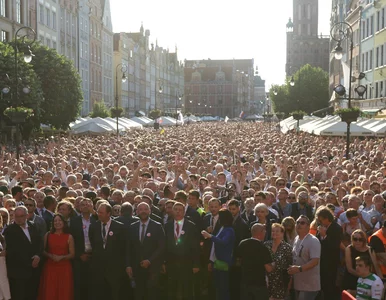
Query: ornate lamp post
(339, 32)
(124, 78)
(25, 44)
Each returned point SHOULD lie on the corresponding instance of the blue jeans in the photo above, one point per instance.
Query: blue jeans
(304, 295)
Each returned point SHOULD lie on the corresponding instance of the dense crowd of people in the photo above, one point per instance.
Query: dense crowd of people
(204, 211)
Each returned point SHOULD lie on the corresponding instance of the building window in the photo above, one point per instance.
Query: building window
(18, 11)
(367, 61)
(41, 38)
(371, 25)
(41, 13)
(371, 59)
(48, 43)
(3, 7)
(54, 45)
(377, 57)
(4, 36)
(383, 25)
(48, 17)
(378, 20)
(382, 61)
(54, 20)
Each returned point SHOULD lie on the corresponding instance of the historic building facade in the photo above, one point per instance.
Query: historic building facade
(219, 87)
(304, 45)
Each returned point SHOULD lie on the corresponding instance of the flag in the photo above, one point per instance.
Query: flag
(241, 115)
(162, 131)
(181, 118)
(226, 119)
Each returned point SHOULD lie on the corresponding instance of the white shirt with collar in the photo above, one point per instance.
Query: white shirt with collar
(104, 238)
(26, 232)
(86, 226)
(213, 220)
(141, 226)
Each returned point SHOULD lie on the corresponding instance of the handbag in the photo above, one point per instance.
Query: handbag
(221, 265)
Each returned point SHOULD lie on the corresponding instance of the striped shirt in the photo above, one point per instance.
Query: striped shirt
(369, 288)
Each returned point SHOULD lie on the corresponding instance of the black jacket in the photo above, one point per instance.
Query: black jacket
(76, 229)
(20, 250)
(152, 248)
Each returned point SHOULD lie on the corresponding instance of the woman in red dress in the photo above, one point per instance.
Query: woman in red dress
(57, 280)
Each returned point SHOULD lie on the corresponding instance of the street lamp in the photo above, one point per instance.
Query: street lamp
(28, 55)
(339, 32)
(292, 82)
(124, 79)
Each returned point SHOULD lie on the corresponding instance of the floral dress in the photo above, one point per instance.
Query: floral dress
(278, 279)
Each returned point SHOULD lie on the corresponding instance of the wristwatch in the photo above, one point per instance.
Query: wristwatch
(300, 269)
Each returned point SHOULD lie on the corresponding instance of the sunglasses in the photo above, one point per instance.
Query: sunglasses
(357, 239)
(301, 222)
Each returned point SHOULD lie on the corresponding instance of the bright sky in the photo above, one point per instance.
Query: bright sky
(217, 29)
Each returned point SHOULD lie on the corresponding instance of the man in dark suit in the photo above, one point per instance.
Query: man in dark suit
(241, 232)
(302, 207)
(126, 217)
(182, 254)
(79, 228)
(330, 237)
(38, 221)
(147, 247)
(211, 224)
(110, 255)
(50, 206)
(155, 212)
(190, 213)
(24, 250)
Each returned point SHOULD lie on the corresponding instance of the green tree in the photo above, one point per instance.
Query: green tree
(100, 110)
(310, 92)
(61, 87)
(27, 78)
(155, 114)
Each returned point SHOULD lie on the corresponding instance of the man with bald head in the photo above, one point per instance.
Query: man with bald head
(253, 267)
(147, 248)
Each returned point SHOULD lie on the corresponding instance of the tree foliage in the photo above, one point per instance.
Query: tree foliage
(310, 92)
(155, 113)
(100, 110)
(61, 86)
(27, 78)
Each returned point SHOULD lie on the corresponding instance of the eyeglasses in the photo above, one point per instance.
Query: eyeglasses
(301, 222)
(368, 194)
(355, 239)
(27, 205)
(55, 180)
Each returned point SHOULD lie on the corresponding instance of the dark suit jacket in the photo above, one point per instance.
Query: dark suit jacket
(186, 251)
(194, 217)
(109, 262)
(76, 229)
(207, 242)
(155, 210)
(152, 248)
(40, 225)
(242, 231)
(268, 228)
(47, 216)
(20, 250)
(330, 247)
(127, 220)
(251, 217)
(156, 218)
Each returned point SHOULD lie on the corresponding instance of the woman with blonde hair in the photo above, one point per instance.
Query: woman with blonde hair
(358, 247)
(281, 251)
(290, 234)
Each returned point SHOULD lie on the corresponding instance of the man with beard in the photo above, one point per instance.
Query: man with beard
(147, 241)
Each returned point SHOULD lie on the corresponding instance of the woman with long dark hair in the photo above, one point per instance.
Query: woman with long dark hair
(57, 280)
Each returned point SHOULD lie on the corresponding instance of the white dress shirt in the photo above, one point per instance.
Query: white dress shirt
(86, 225)
(26, 232)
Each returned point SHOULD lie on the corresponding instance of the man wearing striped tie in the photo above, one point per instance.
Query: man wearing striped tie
(369, 286)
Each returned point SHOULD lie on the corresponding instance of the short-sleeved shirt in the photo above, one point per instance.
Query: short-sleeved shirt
(369, 288)
(254, 255)
(304, 251)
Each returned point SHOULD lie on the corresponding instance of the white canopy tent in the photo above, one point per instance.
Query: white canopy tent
(145, 121)
(128, 124)
(338, 128)
(91, 128)
(167, 121)
(290, 123)
(379, 130)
